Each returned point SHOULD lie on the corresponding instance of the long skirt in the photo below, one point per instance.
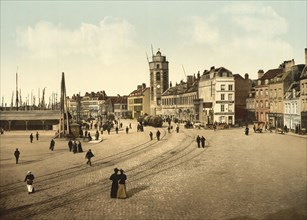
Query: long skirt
(30, 188)
(121, 192)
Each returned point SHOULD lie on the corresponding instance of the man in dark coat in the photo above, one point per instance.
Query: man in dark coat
(31, 137)
(74, 147)
(127, 130)
(88, 156)
(116, 129)
(37, 135)
(158, 135)
(80, 150)
(202, 140)
(246, 130)
(16, 154)
(114, 177)
(52, 143)
(198, 141)
(150, 135)
(70, 145)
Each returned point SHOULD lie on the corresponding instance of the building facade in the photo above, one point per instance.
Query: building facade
(159, 82)
(292, 113)
(242, 88)
(262, 107)
(139, 101)
(121, 107)
(217, 94)
(303, 95)
(178, 101)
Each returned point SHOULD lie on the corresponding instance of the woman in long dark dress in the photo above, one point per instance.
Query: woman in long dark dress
(114, 177)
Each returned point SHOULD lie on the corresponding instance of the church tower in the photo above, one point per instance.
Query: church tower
(159, 81)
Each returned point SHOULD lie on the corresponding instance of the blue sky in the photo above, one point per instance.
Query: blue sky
(102, 45)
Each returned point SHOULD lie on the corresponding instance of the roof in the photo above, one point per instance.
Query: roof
(271, 73)
(181, 88)
(138, 92)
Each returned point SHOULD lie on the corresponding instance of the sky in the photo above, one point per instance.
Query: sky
(104, 45)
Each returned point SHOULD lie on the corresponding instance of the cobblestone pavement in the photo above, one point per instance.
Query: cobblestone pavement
(260, 176)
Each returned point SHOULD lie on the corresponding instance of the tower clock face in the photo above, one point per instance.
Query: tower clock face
(158, 86)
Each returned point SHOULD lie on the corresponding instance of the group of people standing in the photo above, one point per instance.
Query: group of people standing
(118, 188)
(201, 141)
(74, 147)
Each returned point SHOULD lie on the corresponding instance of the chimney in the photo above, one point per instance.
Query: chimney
(246, 76)
(144, 85)
(190, 80)
(212, 68)
(170, 84)
(139, 87)
(260, 73)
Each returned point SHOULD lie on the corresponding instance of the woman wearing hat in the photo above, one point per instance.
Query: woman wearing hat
(121, 192)
(29, 179)
(114, 177)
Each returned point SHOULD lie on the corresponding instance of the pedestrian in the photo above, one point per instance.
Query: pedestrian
(97, 135)
(52, 144)
(31, 137)
(116, 129)
(114, 177)
(109, 129)
(74, 147)
(16, 154)
(169, 129)
(121, 125)
(177, 128)
(70, 145)
(29, 179)
(37, 135)
(198, 141)
(88, 156)
(151, 135)
(89, 136)
(202, 140)
(246, 130)
(127, 130)
(158, 135)
(80, 150)
(130, 126)
(121, 192)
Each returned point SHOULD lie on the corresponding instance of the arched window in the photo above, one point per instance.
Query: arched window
(158, 77)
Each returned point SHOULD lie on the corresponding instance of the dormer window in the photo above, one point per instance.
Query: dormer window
(158, 66)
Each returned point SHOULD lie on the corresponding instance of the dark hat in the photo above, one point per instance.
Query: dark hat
(121, 170)
(116, 170)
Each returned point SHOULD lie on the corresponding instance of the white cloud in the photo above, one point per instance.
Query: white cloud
(197, 29)
(102, 42)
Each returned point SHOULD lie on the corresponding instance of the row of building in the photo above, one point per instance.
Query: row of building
(277, 97)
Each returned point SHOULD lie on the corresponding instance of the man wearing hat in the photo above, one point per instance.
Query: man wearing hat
(114, 177)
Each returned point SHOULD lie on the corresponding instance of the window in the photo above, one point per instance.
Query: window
(158, 66)
(222, 108)
(158, 76)
(230, 97)
(261, 93)
(138, 101)
(223, 87)
(222, 96)
(230, 108)
(230, 87)
(159, 101)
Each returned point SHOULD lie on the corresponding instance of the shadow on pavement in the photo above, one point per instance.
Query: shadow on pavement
(136, 190)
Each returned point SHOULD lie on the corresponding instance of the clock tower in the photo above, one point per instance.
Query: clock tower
(159, 81)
